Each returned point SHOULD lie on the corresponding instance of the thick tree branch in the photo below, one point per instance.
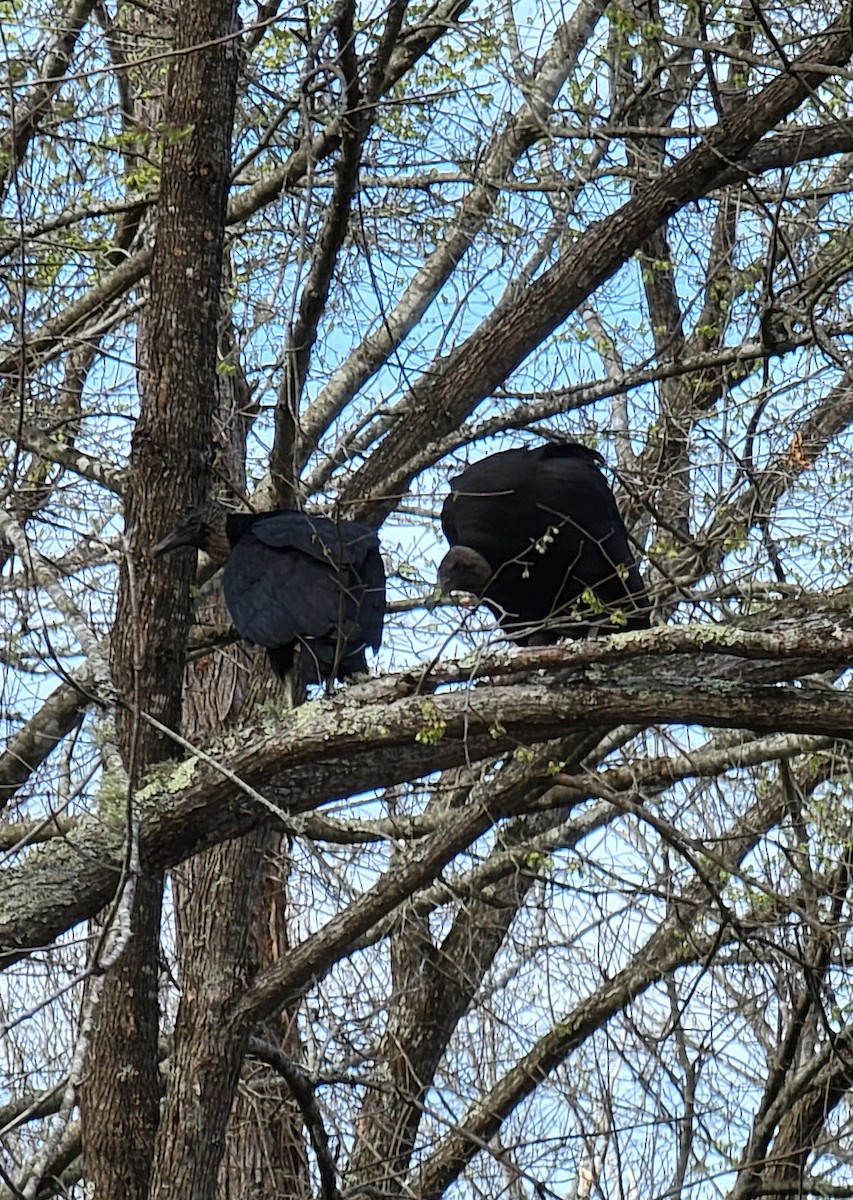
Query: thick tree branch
(503, 341)
(348, 744)
(51, 449)
(680, 938)
(37, 738)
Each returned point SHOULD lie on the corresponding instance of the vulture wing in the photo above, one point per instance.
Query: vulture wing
(547, 523)
(298, 577)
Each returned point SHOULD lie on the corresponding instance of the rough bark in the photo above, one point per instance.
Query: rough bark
(170, 462)
(334, 747)
(264, 1153)
(225, 1138)
(208, 1045)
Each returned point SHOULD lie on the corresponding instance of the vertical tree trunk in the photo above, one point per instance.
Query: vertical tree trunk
(265, 1154)
(230, 919)
(170, 463)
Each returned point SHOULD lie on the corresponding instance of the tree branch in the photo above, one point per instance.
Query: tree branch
(351, 743)
(27, 116)
(472, 371)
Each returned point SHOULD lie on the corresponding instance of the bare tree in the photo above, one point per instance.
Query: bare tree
(561, 921)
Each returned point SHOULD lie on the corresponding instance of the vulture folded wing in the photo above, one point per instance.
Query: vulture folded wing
(344, 543)
(276, 596)
(370, 572)
(572, 493)
(548, 526)
(350, 555)
(482, 510)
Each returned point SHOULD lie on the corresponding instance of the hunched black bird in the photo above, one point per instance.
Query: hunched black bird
(536, 535)
(294, 578)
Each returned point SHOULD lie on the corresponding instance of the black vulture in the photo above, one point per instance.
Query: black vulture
(294, 578)
(536, 535)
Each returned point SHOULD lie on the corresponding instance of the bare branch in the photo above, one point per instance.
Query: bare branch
(504, 339)
(334, 747)
(27, 115)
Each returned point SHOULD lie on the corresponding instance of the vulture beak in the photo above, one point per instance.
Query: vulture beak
(172, 541)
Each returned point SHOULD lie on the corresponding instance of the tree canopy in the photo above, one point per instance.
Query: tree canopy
(567, 921)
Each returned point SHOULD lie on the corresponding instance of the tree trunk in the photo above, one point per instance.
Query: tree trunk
(170, 463)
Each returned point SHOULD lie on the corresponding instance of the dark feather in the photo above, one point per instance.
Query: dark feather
(544, 526)
(294, 578)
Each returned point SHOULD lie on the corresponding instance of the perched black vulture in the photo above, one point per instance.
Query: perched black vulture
(295, 578)
(531, 531)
